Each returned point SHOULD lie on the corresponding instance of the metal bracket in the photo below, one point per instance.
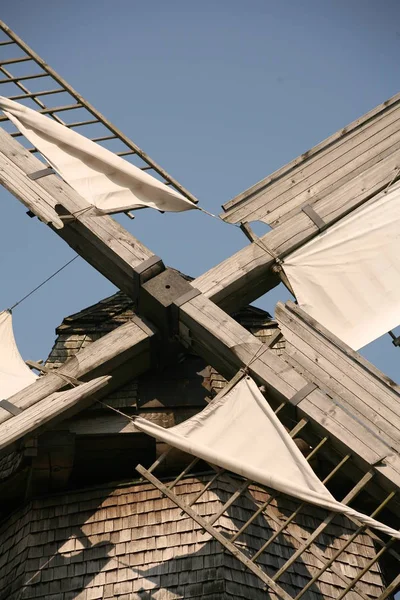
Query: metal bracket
(395, 340)
(41, 173)
(11, 408)
(302, 393)
(315, 218)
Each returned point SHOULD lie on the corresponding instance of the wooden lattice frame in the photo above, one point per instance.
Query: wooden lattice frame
(198, 319)
(271, 583)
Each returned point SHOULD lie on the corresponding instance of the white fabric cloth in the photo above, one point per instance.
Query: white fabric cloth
(348, 277)
(15, 375)
(240, 432)
(104, 179)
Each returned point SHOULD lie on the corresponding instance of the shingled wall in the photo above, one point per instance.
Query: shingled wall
(129, 543)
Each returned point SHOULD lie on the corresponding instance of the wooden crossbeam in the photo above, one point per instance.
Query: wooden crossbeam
(38, 415)
(98, 238)
(201, 323)
(323, 170)
(279, 591)
(124, 352)
(247, 275)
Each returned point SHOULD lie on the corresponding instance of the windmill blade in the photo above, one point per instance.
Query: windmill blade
(123, 353)
(49, 84)
(363, 150)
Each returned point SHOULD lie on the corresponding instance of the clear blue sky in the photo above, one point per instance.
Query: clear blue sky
(219, 93)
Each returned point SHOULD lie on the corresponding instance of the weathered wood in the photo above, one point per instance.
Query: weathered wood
(322, 362)
(215, 534)
(228, 347)
(38, 415)
(327, 166)
(351, 356)
(99, 239)
(126, 344)
(247, 275)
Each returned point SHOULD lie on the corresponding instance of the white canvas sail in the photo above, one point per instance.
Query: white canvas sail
(15, 375)
(104, 179)
(348, 277)
(241, 433)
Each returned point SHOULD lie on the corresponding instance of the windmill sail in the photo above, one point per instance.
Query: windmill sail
(240, 432)
(104, 179)
(14, 374)
(348, 277)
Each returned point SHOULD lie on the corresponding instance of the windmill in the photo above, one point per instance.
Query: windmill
(189, 527)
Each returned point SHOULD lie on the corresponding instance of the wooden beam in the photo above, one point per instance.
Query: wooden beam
(325, 168)
(128, 344)
(34, 419)
(247, 275)
(228, 347)
(100, 240)
(207, 526)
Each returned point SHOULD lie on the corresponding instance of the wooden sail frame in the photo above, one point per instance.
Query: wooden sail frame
(325, 561)
(194, 312)
(53, 85)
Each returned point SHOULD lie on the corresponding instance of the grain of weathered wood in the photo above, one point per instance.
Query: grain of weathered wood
(246, 275)
(125, 344)
(228, 347)
(216, 534)
(353, 357)
(323, 363)
(96, 237)
(343, 155)
(47, 410)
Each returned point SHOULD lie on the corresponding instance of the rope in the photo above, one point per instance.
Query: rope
(210, 214)
(43, 282)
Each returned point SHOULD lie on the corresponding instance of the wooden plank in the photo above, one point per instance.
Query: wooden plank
(247, 275)
(100, 240)
(351, 356)
(228, 347)
(350, 142)
(328, 367)
(283, 202)
(124, 345)
(215, 534)
(37, 416)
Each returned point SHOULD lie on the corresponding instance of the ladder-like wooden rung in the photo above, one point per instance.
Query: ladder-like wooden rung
(104, 138)
(81, 123)
(37, 94)
(49, 111)
(24, 78)
(126, 153)
(11, 61)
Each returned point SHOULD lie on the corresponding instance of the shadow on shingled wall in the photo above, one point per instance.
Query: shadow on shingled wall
(60, 559)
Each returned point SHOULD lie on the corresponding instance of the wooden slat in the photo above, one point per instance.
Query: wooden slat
(329, 164)
(215, 534)
(247, 274)
(99, 118)
(47, 410)
(99, 239)
(126, 344)
(228, 347)
(322, 362)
